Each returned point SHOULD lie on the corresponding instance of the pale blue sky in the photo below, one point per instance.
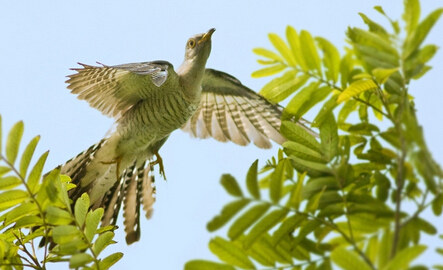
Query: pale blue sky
(41, 40)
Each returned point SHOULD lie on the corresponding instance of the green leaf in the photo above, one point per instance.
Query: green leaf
(92, 220)
(282, 48)
(329, 137)
(57, 216)
(24, 209)
(355, 89)
(277, 179)
(294, 44)
(81, 209)
(4, 170)
(299, 150)
(268, 71)
(28, 222)
(313, 169)
(371, 40)
(9, 182)
(301, 98)
(403, 258)
(384, 249)
(230, 253)
(205, 265)
(268, 54)
(437, 204)
(247, 219)
(81, 259)
(331, 58)
(414, 40)
(411, 15)
(328, 107)
(65, 233)
(298, 109)
(287, 227)
(228, 211)
(103, 240)
(27, 155)
(36, 172)
(348, 260)
(281, 87)
(349, 107)
(296, 193)
(298, 134)
(13, 141)
(11, 198)
(382, 75)
(231, 186)
(109, 261)
(374, 27)
(251, 180)
(310, 51)
(264, 225)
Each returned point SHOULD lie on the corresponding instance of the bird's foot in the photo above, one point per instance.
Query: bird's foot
(115, 161)
(159, 161)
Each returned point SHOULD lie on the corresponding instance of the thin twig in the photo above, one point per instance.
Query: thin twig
(25, 250)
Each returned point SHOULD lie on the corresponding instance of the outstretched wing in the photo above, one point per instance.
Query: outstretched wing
(114, 89)
(229, 111)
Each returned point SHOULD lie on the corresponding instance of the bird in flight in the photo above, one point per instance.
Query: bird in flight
(148, 101)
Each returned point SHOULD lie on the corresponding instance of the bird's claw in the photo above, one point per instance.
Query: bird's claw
(159, 161)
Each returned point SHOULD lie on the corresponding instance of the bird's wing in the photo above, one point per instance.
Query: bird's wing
(114, 89)
(229, 111)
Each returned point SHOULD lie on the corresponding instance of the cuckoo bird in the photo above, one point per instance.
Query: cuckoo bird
(148, 101)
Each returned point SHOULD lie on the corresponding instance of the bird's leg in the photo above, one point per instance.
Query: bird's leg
(115, 161)
(159, 161)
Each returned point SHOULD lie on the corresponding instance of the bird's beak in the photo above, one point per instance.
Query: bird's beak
(207, 35)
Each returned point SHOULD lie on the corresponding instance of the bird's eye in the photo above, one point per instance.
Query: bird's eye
(191, 43)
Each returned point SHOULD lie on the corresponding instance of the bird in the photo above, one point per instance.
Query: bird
(148, 101)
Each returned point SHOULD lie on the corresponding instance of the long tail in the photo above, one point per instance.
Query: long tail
(134, 188)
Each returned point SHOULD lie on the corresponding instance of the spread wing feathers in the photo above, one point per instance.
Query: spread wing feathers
(133, 189)
(114, 89)
(229, 111)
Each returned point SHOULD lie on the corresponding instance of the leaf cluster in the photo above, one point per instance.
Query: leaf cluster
(353, 195)
(36, 208)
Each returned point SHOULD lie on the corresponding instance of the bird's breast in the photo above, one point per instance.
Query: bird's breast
(153, 119)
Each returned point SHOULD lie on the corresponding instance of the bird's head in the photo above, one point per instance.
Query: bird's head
(198, 47)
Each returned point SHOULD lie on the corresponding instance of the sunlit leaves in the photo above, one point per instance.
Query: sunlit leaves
(332, 196)
(356, 88)
(268, 71)
(348, 260)
(229, 252)
(331, 58)
(418, 35)
(248, 218)
(226, 214)
(403, 259)
(35, 207)
(13, 142)
(282, 48)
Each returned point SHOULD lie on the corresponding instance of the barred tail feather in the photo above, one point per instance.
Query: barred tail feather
(134, 188)
(76, 168)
